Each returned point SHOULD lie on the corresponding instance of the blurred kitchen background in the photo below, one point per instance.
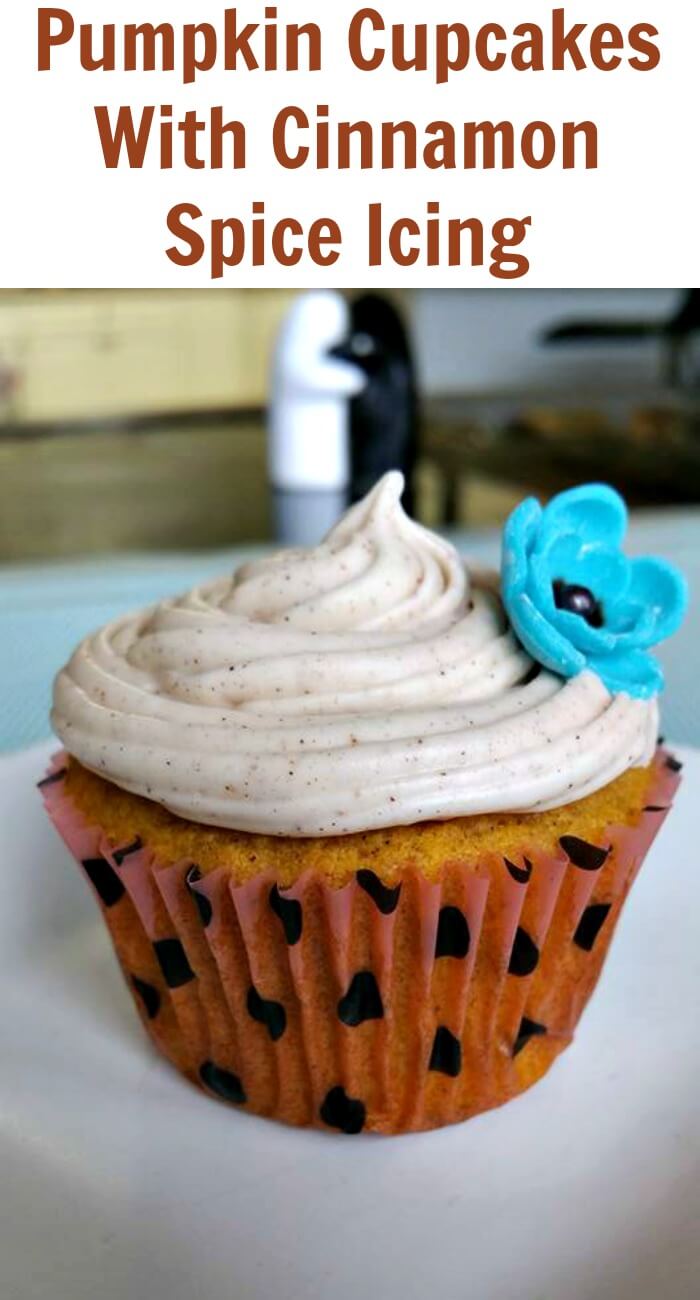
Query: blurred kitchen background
(135, 420)
(133, 439)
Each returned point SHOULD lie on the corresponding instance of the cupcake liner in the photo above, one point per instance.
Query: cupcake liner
(366, 1007)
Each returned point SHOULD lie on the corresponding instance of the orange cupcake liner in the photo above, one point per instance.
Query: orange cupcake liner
(368, 1007)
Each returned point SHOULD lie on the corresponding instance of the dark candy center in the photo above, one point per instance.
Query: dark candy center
(578, 600)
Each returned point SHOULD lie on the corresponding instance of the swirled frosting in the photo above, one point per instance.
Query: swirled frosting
(369, 682)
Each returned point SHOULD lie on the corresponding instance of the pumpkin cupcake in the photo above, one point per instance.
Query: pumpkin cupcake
(361, 822)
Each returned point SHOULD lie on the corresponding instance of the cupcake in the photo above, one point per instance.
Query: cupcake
(361, 821)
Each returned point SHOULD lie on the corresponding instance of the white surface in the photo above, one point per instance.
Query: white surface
(120, 1180)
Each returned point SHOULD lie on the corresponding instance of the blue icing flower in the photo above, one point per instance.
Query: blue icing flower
(576, 601)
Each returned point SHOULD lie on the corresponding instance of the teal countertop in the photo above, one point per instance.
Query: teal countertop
(46, 609)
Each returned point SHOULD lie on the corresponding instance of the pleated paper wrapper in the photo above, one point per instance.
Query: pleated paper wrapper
(367, 1007)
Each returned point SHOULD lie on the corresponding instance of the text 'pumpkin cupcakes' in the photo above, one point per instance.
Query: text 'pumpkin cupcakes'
(361, 824)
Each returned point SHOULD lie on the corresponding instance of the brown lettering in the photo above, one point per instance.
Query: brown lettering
(177, 227)
(528, 55)
(47, 38)
(538, 158)
(287, 226)
(313, 35)
(486, 134)
(124, 134)
(440, 152)
(324, 233)
(606, 37)
(451, 50)
(365, 62)
(454, 242)
(417, 59)
(589, 131)
(505, 265)
(192, 61)
(220, 129)
(404, 226)
(363, 131)
(490, 62)
(107, 60)
(641, 41)
(227, 245)
(375, 234)
(238, 43)
(564, 44)
(279, 138)
(146, 35)
(407, 130)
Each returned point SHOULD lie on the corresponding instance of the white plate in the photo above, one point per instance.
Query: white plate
(119, 1181)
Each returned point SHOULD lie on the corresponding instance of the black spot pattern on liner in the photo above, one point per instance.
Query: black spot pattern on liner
(173, 962)
(289, 912)
(105, 880)
(363, 1001)
(149, 996)
(453, 937)
(590, 925)
(270, 1014)
(656, 807)
(201, 902)
(589, 857)
(387, 899)
(673, 764)
(52, 779)
(525, 954)
(446, 1056)
(521, 874)
(120, 854)
(343, 1112)
(528, 1029)
(222, 1082)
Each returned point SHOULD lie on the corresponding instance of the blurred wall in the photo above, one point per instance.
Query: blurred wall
(71, 356)
(135, 419)
(481, 341)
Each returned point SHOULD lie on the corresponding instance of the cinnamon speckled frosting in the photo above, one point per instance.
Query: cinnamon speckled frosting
(369, 682)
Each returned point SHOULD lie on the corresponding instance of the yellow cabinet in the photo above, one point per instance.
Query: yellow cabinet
(69, 356)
